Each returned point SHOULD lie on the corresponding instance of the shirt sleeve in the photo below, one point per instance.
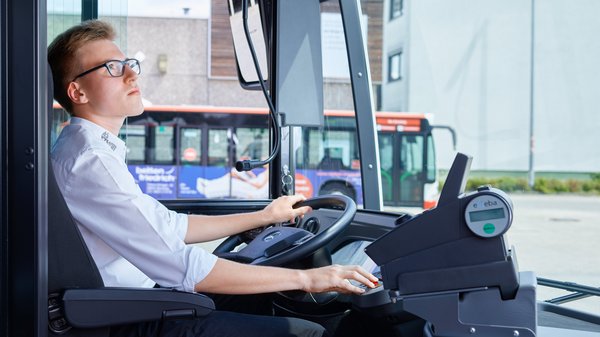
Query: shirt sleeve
(104, 198)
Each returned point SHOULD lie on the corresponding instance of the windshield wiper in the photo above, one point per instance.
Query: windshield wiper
(579, 291)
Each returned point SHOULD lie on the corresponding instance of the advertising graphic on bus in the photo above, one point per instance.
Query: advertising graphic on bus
(189, 152)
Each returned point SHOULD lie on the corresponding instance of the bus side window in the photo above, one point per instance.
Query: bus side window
(135, 138)
(386, 159)
(412, 168)
(252, 143)
(218, 144)
(164, 145)
(431, 175)
(190, 150)
(314, 149)
(338, 150)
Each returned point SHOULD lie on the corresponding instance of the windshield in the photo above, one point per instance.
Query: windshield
(516, 80)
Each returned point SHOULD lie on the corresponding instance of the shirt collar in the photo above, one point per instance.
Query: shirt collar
(101, 136)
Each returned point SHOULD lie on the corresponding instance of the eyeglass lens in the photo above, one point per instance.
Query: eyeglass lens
(116, 68)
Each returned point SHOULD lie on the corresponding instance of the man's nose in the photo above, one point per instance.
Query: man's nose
(130, 74)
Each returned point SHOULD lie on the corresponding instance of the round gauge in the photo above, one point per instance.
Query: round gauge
(488, 215)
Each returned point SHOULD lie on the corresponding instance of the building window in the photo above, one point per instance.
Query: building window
(395, 67)
(378, 102)
(396, 8)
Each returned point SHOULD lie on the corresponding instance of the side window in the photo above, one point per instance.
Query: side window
(332, 150)
(412, 154)
(339, 150)
(386, 158)
(395, 67)
(430, 165)
(396, 7)
(411, 170)
(314, 148)
(386, 153)
(218, 142)
(190, 151)
(163, 141)
(344, 142)
(252, 143)
(135, 138)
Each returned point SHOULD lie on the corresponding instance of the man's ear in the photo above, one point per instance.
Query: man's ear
(76, 93)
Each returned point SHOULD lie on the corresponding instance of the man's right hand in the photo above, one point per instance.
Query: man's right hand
(337, 278)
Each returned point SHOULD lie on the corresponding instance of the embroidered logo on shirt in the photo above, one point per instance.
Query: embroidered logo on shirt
(105, 139)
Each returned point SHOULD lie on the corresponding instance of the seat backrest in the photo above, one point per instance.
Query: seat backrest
(70, 264)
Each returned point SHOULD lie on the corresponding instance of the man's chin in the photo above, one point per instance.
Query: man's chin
(136, 111)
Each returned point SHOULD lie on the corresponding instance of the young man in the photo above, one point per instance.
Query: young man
(134, 240)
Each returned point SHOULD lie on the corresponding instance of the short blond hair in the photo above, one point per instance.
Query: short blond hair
(62, 51)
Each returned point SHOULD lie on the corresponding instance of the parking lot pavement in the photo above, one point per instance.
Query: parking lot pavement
(558, 237)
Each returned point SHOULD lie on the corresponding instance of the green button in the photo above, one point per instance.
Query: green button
(489, 228)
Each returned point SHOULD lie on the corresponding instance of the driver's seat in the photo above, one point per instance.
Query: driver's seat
(78, 302)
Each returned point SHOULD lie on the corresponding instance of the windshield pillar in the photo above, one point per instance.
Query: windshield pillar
(363, 106)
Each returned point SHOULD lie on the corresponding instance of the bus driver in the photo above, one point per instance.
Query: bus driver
(137, 242)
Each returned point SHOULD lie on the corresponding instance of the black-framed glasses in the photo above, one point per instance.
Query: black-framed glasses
(116, 68)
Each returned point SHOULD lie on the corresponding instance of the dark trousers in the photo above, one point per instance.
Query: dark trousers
(226, 323)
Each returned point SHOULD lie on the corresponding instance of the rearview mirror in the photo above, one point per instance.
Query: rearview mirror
(246, 70)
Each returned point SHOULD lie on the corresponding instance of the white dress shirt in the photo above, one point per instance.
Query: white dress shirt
(134, 240)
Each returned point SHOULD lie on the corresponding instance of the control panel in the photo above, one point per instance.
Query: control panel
(457, 245)
(451, 265)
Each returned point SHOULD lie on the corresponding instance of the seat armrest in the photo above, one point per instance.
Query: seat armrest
(90, 308)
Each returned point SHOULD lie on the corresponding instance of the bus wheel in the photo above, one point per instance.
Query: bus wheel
(338, 188)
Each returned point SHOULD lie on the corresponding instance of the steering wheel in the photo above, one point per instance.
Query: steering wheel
(279, 245)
